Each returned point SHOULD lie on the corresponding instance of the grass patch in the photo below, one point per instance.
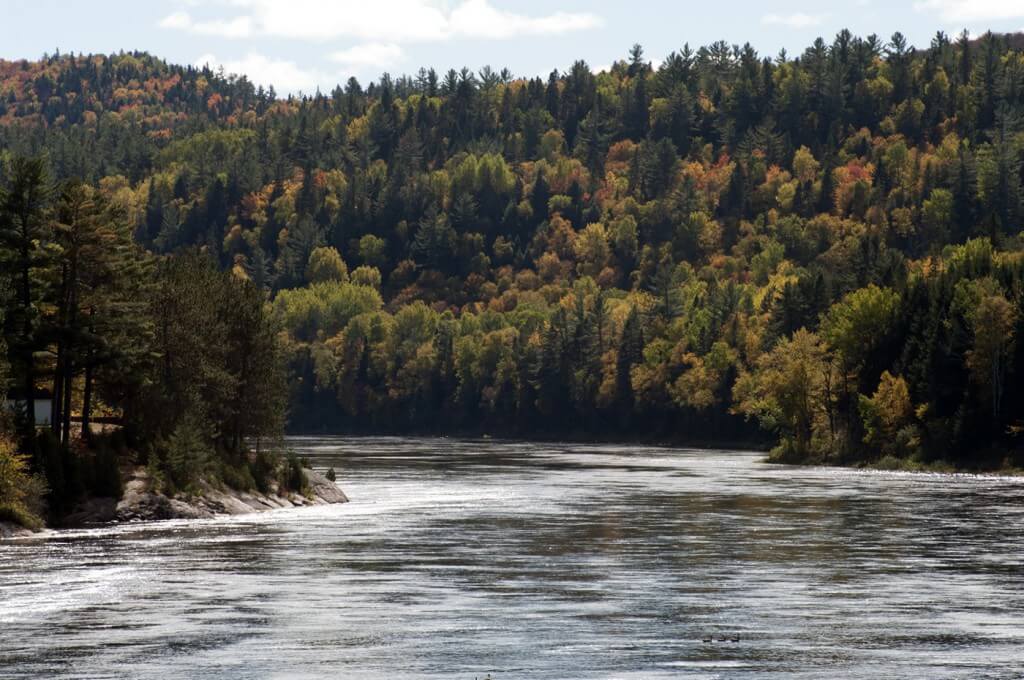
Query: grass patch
(20, 516)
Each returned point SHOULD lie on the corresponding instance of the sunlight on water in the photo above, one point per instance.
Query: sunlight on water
(460, 558)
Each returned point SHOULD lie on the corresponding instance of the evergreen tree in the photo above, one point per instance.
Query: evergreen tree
(24, 232)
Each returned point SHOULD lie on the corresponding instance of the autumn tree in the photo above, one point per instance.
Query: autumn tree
(790, 390)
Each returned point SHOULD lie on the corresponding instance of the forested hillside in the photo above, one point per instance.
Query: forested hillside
(824, 247)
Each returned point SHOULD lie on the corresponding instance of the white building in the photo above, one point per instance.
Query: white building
(42, 406)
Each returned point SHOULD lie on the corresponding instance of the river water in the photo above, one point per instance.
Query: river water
(456, 559)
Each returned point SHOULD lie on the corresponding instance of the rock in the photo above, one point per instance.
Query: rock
(92, 511)
(12, 530)
(141, 504)
(324, 489)
(148, 506)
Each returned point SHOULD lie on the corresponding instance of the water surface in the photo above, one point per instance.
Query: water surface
(460, 558)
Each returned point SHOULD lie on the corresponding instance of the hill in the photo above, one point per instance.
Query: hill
(824, 247)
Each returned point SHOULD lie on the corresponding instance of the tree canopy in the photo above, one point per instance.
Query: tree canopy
(825, 247)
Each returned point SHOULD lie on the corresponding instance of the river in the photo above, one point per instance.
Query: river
(456, 559)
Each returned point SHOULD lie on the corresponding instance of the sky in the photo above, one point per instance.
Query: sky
(302, 45)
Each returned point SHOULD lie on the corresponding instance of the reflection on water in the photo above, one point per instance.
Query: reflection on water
(460, 558)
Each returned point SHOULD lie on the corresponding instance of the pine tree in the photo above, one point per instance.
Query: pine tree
(630, 353)
(25, 230)
(592, 140)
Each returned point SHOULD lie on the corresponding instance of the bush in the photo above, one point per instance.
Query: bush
(101, 471)
(787, 454)
(292, 476)
(155, 474)
(20, 516)
(62, 471)
(237, 477)
(21, 494)
(187, 454)
(890, 463)
(263, 469)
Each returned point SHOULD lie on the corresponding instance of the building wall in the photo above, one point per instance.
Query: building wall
(41, 407)
(43, 411)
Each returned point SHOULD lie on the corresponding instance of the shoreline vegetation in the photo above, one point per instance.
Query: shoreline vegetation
(142, 501)
(821, 250)
(996, 463)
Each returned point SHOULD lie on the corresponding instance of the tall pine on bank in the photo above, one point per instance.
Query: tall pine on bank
(25, 238)
(177, 356)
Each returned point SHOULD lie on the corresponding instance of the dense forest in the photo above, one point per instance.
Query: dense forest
(182, 359)
(822, 248)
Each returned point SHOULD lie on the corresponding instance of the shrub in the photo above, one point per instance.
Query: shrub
(101, 470)
(263, 468)
(889, 462)
(237, 476)
(155, 474)
(187, 454)
(21, 494)
(62, 471)
(292, 477)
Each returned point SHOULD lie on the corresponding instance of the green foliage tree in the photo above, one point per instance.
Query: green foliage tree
(24, 232)
(790, 390)
(325, 264)
(20, 491)
(889, 418)
(187, 454)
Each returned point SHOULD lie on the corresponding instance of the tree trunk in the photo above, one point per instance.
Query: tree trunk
(57, 399)
(70, 318)
(87, 400)
(57, 406)
(28, 425)
(69, 381)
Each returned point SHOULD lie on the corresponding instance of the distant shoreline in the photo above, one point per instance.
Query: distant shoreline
(758, 446)
(574, 437)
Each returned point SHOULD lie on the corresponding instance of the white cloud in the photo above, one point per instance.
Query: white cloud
(390, 21)
(956, 11)
(479, 19)
(239, 27)
(380, 55)
(284, 75)
(396, 20)
(179, 20)
(795, 20)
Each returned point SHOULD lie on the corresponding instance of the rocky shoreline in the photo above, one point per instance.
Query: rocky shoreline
(139, 503)
(12, 530)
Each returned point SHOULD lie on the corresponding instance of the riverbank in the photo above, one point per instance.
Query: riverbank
(140, 503)
(573, 436)
(12, 530)
(1000, 465)
(995, 463)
